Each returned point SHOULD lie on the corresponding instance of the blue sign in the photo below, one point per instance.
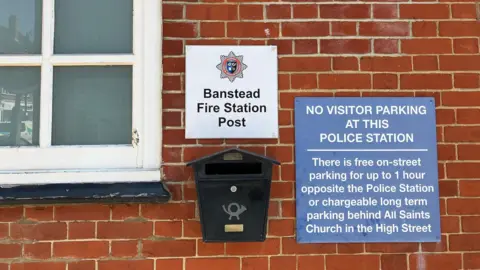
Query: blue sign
(366, 170)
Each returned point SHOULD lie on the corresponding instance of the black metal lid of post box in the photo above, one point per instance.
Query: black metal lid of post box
(232, 150)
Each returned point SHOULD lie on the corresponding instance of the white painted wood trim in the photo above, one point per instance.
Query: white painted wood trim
(24, 60)
(153, 84)
(79, 177)
(62, 158)
(46, 88)
(92, 60)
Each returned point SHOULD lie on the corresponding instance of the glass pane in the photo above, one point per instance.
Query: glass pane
(92, 105)
(20, 26)
(93, 26)
(19, 106)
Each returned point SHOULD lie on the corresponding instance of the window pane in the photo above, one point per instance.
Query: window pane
(20, 26)
(19, 106)
(92, 105)
(93, 26)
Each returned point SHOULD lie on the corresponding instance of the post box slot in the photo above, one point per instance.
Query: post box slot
(233, 168)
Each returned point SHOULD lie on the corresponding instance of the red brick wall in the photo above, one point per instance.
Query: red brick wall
(329, 48)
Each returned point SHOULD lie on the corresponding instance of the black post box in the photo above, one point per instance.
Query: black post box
(233, 188)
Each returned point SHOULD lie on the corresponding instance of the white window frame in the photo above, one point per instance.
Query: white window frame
(47, 164)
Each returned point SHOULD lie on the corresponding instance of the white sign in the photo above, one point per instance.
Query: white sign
(231, 92)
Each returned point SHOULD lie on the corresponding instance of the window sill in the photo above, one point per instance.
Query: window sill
(82, 187)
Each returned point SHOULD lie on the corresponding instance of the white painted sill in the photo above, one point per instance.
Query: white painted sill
(80, 177)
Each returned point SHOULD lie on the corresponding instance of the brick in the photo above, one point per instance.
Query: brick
(450, 224)
(304, 81)
(252, 29)
(251, 12)
(462, 134)
(464, 11)
(307, 46)
(311, 263)
(171, 82)
(436, 261)
(459, 29)
(465, 45)
(271, 246)
(305, 11)
(124, 248)
(471, 260)
(394, 261)
(425, 63)
(209, 249)
(176, 64)
(388, 29)
(278, 11)
(38, 266)
(170, 264)
(126, 211)
(212, 263)
(254, 263)
(344, 28)
(290, 246)
(426, 81)
(424, 11)
(304, 63)
(351, 11)
(39, 232)
(173, 101)
(471, 224)
(288, 210)
(281, 227)
(424, 29)
(470, 188)
(82, 212)
(172, 11)
(82, 265)
(345, 262)
(462, 170)
(466, 80)
(464, 242)
(426, 46)
(169, 248)
(465, 206)
(283, 262)
(37, 250)
(468, 116)
(342, 46)
(305, 29)
(459, 62)
(461, 98)
(345, 63)
(168, 228)
(344, 81)
(385, 81)
(192, 228)
(179, 29)
(125, 265)
(81, 230)
(124, 230)
(386, 46)
(391, 248)
(9, 214)
(4, 230)
(81, 249)
(400, 64)
(283, 46)
(212, 29)
(10, 251)
(211, 12)
(39, 213)
(385, 11)
(169, 211)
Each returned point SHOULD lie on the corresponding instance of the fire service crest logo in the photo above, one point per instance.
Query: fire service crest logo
(231, 66)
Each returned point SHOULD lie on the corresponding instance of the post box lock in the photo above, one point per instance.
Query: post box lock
(233, 188)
